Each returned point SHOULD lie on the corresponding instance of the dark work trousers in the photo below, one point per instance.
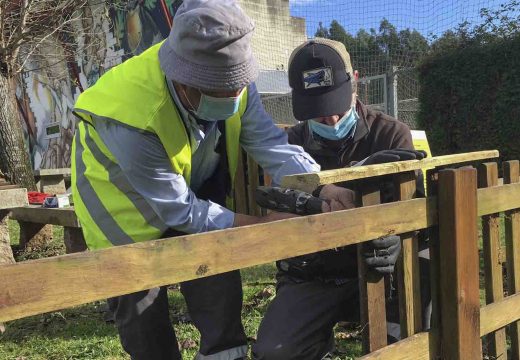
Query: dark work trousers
(298, 324)
(214, 303)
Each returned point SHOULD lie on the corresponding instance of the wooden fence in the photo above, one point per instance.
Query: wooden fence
(450, 212)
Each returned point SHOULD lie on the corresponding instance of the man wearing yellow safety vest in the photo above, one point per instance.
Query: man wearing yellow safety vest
(155, 155)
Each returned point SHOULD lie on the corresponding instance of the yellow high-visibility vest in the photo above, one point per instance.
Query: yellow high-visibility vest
(135, 94)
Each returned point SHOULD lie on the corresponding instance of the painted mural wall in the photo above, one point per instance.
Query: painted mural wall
(49, 87)
(110, 34)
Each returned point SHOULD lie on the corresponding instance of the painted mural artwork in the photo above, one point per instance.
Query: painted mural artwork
(50, 85)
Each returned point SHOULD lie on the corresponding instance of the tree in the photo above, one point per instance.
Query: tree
(26, 27)
(377, 51)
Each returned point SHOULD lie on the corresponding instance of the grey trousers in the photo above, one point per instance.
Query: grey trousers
(214, 304)
(298, 324)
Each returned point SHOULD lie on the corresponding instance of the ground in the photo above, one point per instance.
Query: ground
(82, 333)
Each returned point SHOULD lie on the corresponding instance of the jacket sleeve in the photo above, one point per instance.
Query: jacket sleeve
(143, 160)
(268, 144)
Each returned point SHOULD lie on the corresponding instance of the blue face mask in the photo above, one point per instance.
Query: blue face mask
(215, 109)
(342, 128)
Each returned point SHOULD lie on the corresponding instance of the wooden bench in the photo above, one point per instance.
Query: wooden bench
(52, 181)
(32, 219)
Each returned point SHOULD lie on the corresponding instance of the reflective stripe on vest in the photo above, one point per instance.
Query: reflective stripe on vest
(136, 95)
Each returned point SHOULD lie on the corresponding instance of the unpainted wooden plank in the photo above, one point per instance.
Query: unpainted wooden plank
(309, 182)
(371, 291)
(240, 186)
(44, 285)
(415, 347)
(512, 227)
(37, 214)
(408, 276)
(432, 181)
(253, 183)
(498, 199)
(13, 198)
(500, 314)
(488, 177)
(459, 265)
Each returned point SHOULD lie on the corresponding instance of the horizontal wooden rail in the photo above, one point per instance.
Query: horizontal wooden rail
(38, 286)
(309, 182)
(415, 347)
(498, 198)
(499, 314)
(492, 317)
(44, 285)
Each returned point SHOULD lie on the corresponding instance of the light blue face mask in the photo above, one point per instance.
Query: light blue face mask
(215, 109)
(339, 131)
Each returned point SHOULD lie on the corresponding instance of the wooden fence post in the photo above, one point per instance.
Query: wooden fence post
(488, 177)
(253, 183)
(240, 186)
(459, 265)
(371, 291)
(408, 277)
(512, 224)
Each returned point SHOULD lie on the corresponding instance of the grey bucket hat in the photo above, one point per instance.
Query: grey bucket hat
(209, 46)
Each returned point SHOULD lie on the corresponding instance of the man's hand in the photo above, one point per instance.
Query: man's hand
(337, 198)
(386, 156)
(381, 254)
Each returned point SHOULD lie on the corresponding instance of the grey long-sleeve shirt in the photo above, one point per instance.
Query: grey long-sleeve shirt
(144, 161)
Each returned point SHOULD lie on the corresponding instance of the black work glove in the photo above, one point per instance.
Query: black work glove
(386, 156)
(288, 200)
(381, 254)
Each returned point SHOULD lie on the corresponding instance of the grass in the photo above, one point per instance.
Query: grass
(82, 332)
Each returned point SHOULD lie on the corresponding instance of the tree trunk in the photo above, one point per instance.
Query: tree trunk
(14, 158)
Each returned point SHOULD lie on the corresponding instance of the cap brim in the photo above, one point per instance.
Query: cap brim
(334, 102)
(234, 77)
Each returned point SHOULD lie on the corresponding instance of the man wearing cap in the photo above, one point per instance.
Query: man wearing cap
(155, 155)
(316, 291)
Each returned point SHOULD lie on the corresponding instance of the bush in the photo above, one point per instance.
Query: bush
(470, 98)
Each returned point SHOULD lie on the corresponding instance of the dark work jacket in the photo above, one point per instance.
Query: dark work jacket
(374, 132)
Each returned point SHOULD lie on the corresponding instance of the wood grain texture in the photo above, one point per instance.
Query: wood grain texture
(253, 182)
(459, 265)
(499, 314)
(512, 227)
(38, 286)
(408, 268)
(241, 206)
(432, 185)
(415, 347)
(13, 198)
(37, 214)
(371, 291)
(309, 182)
(498, 199)
(488, 177)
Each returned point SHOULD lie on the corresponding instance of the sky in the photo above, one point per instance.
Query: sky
(426, 16)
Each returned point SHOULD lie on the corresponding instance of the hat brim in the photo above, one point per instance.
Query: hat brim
(308, 106)
(223, 78)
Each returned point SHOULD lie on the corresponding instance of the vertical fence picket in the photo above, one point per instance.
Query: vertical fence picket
(512, 225)
(240, 186)
(371, 291)
(459, 266)
(253, 183)
(408, 268)
(487, 177)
